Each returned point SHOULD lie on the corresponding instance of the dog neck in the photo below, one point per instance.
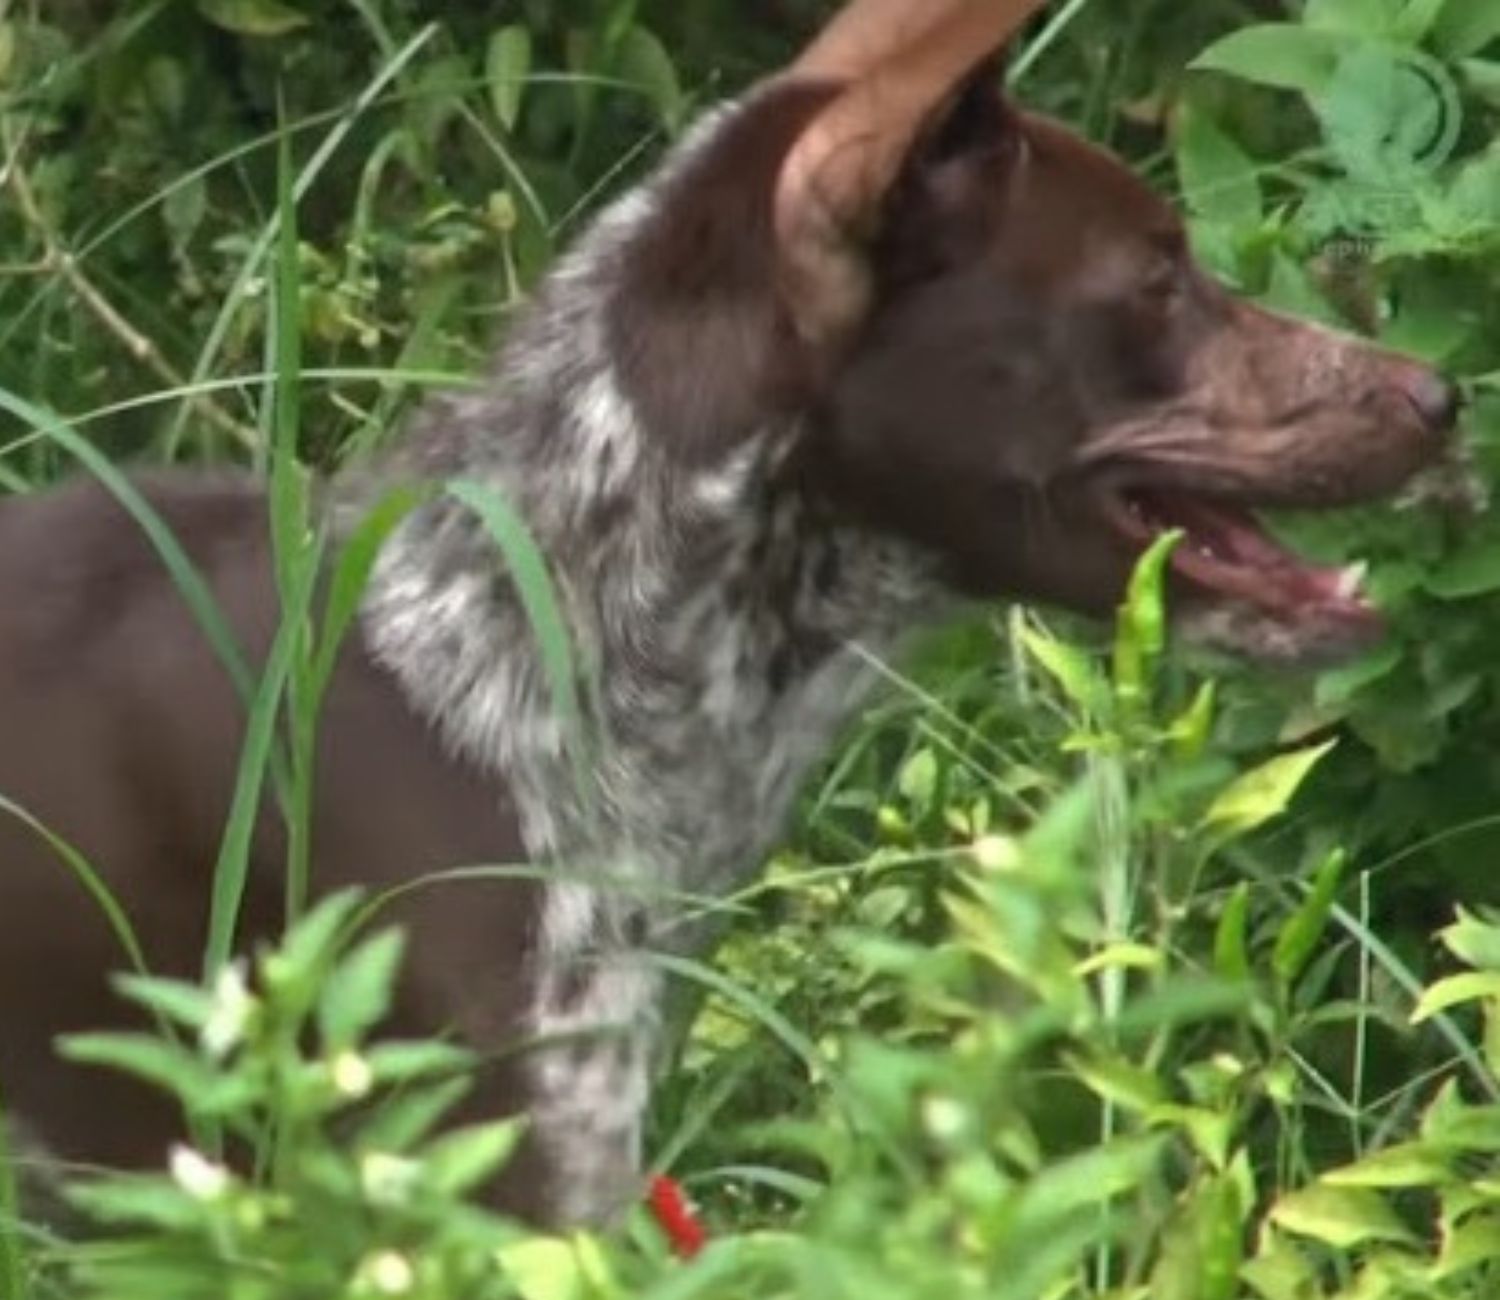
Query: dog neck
(731, 623)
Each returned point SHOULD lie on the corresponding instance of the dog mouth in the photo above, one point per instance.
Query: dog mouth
(1226, 554)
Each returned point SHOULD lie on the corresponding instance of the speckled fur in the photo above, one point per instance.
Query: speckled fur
(718, 615)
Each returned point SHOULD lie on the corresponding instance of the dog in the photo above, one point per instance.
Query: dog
(871, 344)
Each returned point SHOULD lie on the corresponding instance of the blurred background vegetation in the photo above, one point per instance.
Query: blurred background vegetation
(1335, 159)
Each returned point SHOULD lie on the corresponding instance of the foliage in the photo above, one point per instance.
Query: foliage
(1385, 216)
(1082, 977)
(1037, 1104)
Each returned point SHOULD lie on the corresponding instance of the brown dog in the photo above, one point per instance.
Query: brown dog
(873, 342)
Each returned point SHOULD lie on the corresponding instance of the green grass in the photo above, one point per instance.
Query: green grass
(1076, 979)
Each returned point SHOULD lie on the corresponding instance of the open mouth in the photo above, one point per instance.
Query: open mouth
(1225, 552)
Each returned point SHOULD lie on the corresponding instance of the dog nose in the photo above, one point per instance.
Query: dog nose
(1438, 400)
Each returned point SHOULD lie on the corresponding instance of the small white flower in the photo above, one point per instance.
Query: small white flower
(198, 1176)
(944, 1118)
(228, 1018)
(389, 1273)
(996, 853)
(352, 1075)
(388, 1180)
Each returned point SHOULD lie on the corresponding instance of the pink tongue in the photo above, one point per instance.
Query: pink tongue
(1241, 556)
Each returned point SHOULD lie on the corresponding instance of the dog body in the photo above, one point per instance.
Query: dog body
(870, 344)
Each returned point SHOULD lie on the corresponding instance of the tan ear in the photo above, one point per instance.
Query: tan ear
(835, 179)
(866, 33)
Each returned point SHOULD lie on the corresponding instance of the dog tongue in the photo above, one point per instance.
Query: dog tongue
(1226, 551)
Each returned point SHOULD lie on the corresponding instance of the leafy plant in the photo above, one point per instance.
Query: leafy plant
(1082, 977)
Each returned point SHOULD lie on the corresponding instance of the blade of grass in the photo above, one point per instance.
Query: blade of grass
(259, 250)
(538, 596)
(109, 906)
(185, 575)
(12, 1249)
(295, 551)
(351, 574)
(231, 870)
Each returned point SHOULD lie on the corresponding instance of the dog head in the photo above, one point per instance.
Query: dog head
(1007, 351)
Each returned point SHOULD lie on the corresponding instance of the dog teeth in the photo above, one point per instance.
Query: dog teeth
(1352, 579)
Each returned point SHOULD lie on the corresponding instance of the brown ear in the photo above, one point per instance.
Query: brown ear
(834, 182)
(866, 33)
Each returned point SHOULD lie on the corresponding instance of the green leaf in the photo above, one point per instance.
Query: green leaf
(1453, 991)
(165, 1065)
(642, 60)
(1339, 685)
(311, 944)
(1281, 1271)
(1407, 1164)
(1190, 733)
(1181, 1000)
(1141, 632)
(184, 1004)
(1472, 1244)
(1219, 179)
(1474, 942)
(1473, 202)
(550, 1268)
(1416, 20)
(1209, 1130)
(1342, 1217)
(1231, 942)
(507, 65)
(253, 17)
(1304, 929)
(1203, 1246)
(459, 1161)
(140, 1202)
(402, 1062)
(1482, 77)
(1073, 670)
(410, 1116)
(357, 994)
(1472, 570)
(1465, 27)
(918, 780)
(1284, 55)
(1088, 1179)
(1354, 17)
(1264, 793)
(1117, 1080)
(183, 209)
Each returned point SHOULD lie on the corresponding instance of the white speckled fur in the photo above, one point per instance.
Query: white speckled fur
(703, 740)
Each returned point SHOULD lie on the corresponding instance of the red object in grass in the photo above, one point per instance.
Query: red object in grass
(671, 1210)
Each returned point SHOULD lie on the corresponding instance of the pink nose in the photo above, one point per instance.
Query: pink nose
(1436, 399)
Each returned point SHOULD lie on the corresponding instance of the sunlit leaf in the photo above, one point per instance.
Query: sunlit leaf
(1343, 1217)
(1288, 56)
(253, 17)
(1453, 991)
(507, 65)
(1264, 793)
(1304, 929)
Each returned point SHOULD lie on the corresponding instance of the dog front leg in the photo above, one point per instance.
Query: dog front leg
(596, 1025)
